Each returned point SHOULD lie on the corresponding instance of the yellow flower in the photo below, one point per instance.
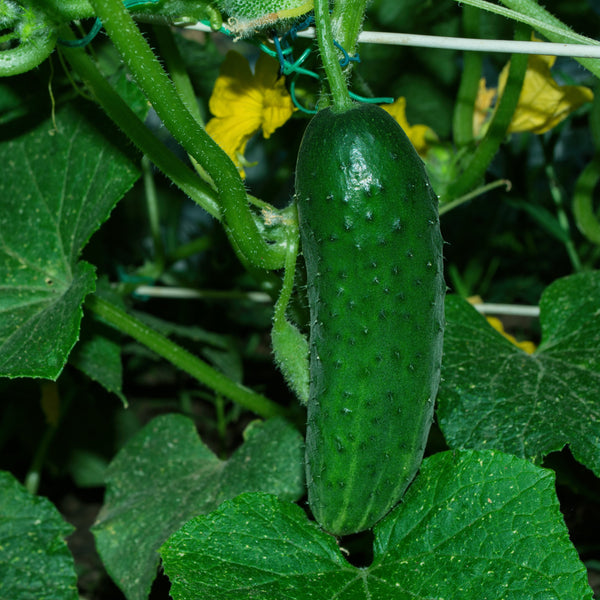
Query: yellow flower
(543, 103)
(242, 103)
(528, 347)
(483, 103)
(419, 135)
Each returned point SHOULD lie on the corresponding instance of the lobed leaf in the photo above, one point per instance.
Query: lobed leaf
(473, 525)
(59, 183)
(494, 395)
(166, 475)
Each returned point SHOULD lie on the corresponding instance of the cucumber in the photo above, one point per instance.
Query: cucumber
(371, 242)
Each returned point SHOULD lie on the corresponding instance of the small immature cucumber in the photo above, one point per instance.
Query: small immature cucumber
(373, 251)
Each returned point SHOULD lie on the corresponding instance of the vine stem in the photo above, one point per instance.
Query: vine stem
(462, 122)
(537, 17)
(448, 206)
(149, 74)
(181, 80)
(181, 358)
(153, 215)
(346, 22)
(329, 56)
(488, 147)
(290, 346)
(116, 108)
(293, 241)
(561, 215)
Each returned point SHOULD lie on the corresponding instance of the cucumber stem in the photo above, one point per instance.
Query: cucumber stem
(346, 23)
(329, 57)
(480, 160)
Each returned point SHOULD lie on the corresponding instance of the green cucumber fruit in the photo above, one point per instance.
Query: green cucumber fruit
(372, 246)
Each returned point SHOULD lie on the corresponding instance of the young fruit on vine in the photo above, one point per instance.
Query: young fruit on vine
(373, 250)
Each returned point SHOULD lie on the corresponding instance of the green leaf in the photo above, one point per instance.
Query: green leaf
(99, 357)
(59, 183)
(35, 562)
(531, 11)
(494, 395)
(166, 475)
(473, 525)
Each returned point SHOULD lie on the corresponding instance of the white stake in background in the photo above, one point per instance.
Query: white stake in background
(456, 43)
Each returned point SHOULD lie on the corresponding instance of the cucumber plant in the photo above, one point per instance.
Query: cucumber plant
(373, 251)
(477, 517)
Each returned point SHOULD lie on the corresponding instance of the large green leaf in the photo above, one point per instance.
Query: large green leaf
(166, 476)
(473, 525)
(58, 184)
(35, 562)
(494, 395)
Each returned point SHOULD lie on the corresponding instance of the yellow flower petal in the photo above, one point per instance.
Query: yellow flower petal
(266, 72)
(526, 346)
(274, 113)
(419, 135)
(277, 105)
(543, 103)
(235, 81)
(398, 111)
(231, 134)
(243, 103)
(483, 103)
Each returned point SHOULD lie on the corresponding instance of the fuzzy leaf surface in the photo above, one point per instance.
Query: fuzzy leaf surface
(35, 562)
(494, 395)
(59, 183)
(165, 475)
(473, 525)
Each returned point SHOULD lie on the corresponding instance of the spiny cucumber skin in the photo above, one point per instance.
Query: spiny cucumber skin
(373, 251)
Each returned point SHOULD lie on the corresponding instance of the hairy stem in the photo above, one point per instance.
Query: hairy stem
(329, 56)
(475, 170)
(116, 108)
(181, 358)
(346, 22)
(160, 91)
